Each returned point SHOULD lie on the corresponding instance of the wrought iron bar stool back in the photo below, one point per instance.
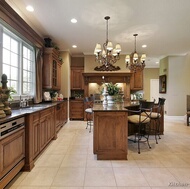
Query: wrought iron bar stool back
(156, 118)
(141, 119)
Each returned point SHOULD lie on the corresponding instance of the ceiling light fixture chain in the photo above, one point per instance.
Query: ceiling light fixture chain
(133, 61)
(107, 56)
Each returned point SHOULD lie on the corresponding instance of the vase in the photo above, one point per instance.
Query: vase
(110, 99)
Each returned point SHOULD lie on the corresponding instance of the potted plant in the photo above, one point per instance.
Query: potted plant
(112, 91)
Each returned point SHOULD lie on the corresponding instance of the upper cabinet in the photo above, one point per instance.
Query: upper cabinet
(51, 69)
(77, 69)
(136, 81)
(77, 81)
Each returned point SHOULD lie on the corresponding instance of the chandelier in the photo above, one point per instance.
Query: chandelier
(107, 56)
(133, 61)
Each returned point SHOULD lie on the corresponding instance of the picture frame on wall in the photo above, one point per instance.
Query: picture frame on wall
(162, 84)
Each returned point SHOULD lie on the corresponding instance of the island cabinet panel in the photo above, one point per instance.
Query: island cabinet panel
(40, 129)
(110, 135)
(136, 81)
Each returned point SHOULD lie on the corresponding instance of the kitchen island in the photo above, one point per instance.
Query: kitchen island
(111, 130)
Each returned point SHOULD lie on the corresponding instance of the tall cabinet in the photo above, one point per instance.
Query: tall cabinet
(51, 69)
(76, 104)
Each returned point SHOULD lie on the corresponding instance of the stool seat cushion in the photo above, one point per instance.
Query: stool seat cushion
(135, 119)
(153, 115)
(88, 110)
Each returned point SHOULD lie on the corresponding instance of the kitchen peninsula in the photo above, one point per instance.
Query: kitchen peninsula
(111, 130)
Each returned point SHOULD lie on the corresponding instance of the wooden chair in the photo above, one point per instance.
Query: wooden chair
(188, 109)
(141, 120)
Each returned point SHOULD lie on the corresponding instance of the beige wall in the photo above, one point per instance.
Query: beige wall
(149, 73)
(178, 84)
(65, 74)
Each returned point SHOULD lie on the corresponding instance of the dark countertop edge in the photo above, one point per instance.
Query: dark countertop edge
(21, 112)
(123, 106)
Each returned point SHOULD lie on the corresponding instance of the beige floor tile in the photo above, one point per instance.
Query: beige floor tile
(129, 177)
(69, 163)
(182, 175)
(93, 162)
(50, 161)
(74, 161)
(68, 176)
(100, 176)
(39, 176)
(158, 176)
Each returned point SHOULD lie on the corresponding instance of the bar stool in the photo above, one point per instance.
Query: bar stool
(88, 110)
(156, 117)
(142, 122)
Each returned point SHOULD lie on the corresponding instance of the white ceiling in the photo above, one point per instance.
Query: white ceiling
(163, 25)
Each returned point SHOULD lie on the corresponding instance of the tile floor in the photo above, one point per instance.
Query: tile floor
(69, 163)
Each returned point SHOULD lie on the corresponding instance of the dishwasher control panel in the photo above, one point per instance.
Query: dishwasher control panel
(11, 126)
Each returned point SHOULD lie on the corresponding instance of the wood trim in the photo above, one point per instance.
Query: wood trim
(108, 77)
(14, 20)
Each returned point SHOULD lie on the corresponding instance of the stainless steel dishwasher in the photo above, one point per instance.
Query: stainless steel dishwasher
(12, 149)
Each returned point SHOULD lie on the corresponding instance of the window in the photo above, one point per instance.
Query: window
(17, 62)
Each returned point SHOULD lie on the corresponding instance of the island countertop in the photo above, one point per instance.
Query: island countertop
(120, 106)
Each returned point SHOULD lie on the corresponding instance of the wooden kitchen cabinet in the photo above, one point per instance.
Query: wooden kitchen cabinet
(40, 129)
(77, 80)
(61, 115)
(76, 109)
(136, 81)
(51, 69)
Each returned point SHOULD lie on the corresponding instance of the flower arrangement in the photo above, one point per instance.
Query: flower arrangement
(112, 89)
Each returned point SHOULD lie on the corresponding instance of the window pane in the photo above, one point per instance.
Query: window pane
(6, 56)
(25, 88)
(25, 64)
(14, 46)
(24, 52)
(25, 75)
(6, 41)
(14, 73)
(6, 70)
(14, 59)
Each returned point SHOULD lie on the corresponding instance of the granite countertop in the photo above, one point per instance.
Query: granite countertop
(120, 106)
(20, 112)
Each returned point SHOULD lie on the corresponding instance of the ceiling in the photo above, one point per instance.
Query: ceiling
(163, 25)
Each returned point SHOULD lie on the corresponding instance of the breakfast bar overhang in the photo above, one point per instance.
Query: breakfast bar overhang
(111, 130)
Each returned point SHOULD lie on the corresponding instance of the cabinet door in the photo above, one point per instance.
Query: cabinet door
(77, 110)
(36, 137)
(77, 81)
(43, 132)
(137, 81)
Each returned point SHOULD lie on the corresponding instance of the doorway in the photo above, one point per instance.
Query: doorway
(154, 90)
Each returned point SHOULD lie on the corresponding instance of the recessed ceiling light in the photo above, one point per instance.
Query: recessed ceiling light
(74, 46)
(29, 8)
(74, 20)
(157, 62)
(144, 46)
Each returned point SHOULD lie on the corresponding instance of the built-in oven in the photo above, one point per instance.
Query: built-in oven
(12, 148)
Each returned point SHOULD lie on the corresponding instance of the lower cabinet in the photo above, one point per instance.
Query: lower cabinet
(76, 110)
(61, 115)
(40, 129)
